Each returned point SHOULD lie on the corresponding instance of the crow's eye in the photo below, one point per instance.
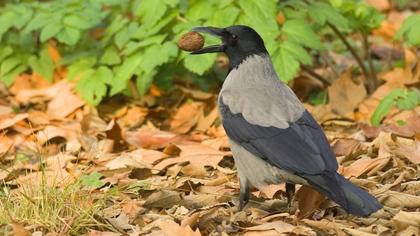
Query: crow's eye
(234, 36)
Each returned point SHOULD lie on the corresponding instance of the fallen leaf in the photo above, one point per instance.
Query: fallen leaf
(186, 117)
(206, 121)
(398, 199)
(5, 144)
(148, 138)
(135, 116)
(64, 103)
(125, 161)
(279, 226)
(411, 152)
(26, 96)
(363, 165)
(345, 96)
(344, 147)
(309, 200)
(163, 199)
(101, 233)
(356, 232)
(404, 219)
(197, 155)
(170, 228)
(6, 122)
(69, 131)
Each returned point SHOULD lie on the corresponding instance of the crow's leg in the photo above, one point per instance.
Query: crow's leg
(290, 192)
(243, 193)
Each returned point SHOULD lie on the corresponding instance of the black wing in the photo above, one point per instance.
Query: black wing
(300, 148)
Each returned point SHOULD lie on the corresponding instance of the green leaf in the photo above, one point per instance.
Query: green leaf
(110, 56)
(77, 21)
(225, 17)
(382, 110)
(385, 106)
(123, 36)
(297, 51)
(9, 64)
(199, 64)
(50, 30)
(91, 87)
(69, 36)
(151, 11)
(92, 180)
(43, 65)
(285, 64)
(410, 101)
(201, 10)
(5, 51)
(105, 74)
(323, 12)
(133, 46)
(39, 21)
(300, 32)
(80, 66)
(124, 72)
(9, 77)
(157, 55)
(144, 81)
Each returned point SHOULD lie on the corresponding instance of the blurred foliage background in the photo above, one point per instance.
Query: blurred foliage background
(110, 47)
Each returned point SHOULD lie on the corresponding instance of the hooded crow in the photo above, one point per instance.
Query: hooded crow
(273, 138)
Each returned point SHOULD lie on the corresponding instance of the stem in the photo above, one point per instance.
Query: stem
(352, 51)
(373, 81)
(324, 81)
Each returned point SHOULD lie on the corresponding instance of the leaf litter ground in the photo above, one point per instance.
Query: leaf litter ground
(162, 165)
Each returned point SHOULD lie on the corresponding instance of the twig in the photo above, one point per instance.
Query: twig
(373, 81)
(308, 70)
(351, 49)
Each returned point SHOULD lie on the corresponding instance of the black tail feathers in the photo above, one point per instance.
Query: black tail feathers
(353, 199)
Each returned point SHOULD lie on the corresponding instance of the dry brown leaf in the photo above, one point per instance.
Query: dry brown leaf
(26, 96)
(398, 199)
(125, 161)
(404, 219)
(363, 165)
(270, 190)
(355, 232)
(345, 95)
(197, 94)
(170, 228)
(163, 199)
(147, 156)
(135, 116)
(309, 200)
(197, 155)
(344, 147)
(280, 227)
(410, 231)
(5, 111)
(186, 117)
(206, 121)
(69, 131)
(64, 103)
(327, 225)
(50, 178)
(148, 138)
(6, 122)
(101, 233)
(411, 152)
(5, 144)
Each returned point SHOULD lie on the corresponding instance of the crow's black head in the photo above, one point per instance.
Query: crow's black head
(238, 42)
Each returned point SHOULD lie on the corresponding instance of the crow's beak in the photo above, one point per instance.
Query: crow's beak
(218, 32)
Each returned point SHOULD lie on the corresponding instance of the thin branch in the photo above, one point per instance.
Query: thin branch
(373, 83)
(308, 70)
(351, 49)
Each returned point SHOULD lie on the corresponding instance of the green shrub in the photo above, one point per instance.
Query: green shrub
(108, 43)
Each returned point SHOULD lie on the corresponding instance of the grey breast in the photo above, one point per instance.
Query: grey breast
(254, 90)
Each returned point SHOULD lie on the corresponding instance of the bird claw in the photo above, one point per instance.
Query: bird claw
(290, 192)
